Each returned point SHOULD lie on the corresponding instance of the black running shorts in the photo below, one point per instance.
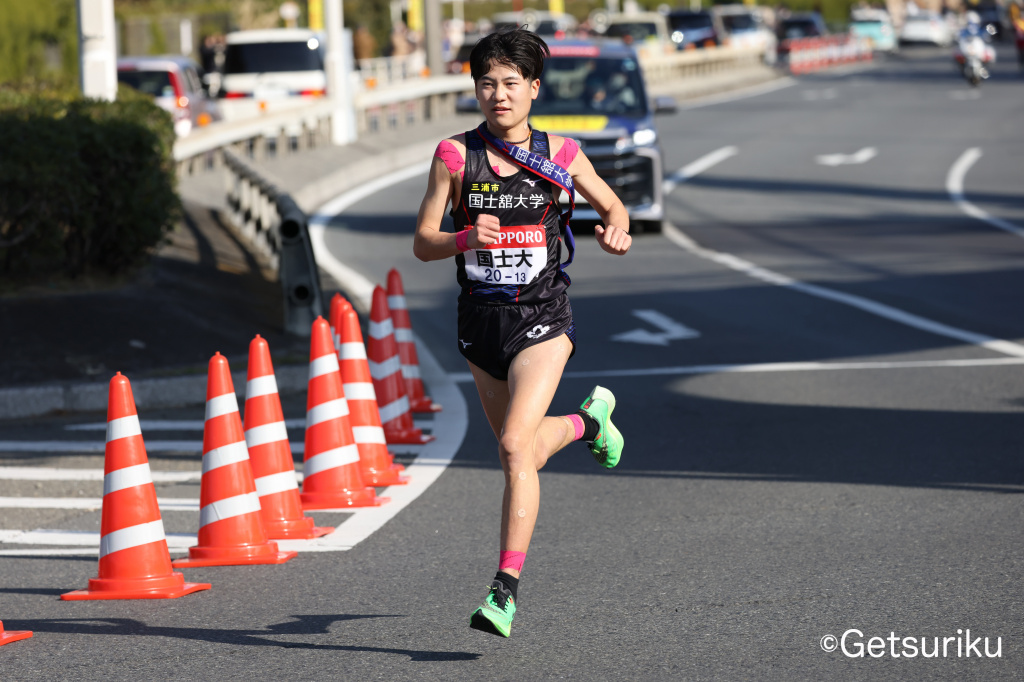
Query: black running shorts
(490, 336)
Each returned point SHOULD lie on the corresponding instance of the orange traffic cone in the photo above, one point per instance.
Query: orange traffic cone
(332, 477)
(12, 635)
(386, 370)
(230, 530)
(418, 399)
(270, 454)
(134, 560)
(376, 464)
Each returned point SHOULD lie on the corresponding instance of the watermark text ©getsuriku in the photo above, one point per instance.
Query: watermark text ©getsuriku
(854, 644)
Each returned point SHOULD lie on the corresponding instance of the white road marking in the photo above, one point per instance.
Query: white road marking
(358, 287)
(955, 188)
(867, 305)
(770, 367)
(198, 425)
(55, 474)
(858, 157)
(451, 426)
(670, 330)
(92, 503)
(697, 167)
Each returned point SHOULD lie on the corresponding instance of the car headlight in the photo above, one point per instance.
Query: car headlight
(645, 137)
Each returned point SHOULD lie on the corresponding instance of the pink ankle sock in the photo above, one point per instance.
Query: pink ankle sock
(513, 560)
(577, 424)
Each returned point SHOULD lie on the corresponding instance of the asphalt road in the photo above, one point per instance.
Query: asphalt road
(825, 437)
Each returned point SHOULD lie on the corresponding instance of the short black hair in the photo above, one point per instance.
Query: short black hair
(518, 48)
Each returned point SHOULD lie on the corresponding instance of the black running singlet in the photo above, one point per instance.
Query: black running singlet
(523, 266)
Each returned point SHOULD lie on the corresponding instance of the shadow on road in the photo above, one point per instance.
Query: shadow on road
(301, 625)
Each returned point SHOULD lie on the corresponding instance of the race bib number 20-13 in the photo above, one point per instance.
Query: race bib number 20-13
(518, 256)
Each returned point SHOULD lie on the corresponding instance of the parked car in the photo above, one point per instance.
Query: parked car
(797, 26)
(746, 27)
(638, 29)
(542, 23)
(274, 64)
(876, 26)
(594, 92)
(801, 25)
(175, 83)
(926, 28)
(691, 30)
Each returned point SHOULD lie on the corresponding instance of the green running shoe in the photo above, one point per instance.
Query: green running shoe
(607, 447)
(495, 616)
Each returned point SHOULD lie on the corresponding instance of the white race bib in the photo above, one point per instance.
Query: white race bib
(519, 255)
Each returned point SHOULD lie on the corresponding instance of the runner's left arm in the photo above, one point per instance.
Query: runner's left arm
(614, 237)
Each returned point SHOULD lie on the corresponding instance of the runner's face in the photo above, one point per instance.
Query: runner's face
(505, 96)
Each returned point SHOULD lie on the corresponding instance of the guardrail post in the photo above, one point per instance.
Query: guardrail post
(300, 278)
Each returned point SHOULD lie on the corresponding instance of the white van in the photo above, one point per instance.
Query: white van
(274, 64)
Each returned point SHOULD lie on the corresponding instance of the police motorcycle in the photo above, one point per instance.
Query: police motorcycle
(973, 51)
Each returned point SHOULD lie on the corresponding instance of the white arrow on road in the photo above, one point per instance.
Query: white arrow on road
(670, 330)
(863, 156)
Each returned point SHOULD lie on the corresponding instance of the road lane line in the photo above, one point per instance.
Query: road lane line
(91, 503)
(64, 474)
(768, 367)
(199, 425)
(677, 237)
(955, 188)
(697, 167)
(359, 288)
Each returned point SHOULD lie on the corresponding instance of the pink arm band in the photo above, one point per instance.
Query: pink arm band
(461, 241)
(567, 153)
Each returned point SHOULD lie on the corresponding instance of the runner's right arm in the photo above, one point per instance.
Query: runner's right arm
(430, 243)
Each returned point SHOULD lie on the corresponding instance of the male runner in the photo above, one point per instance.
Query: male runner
(515, 324)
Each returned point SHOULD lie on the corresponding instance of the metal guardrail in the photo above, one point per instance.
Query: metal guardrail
(402, 105)
(275, 227)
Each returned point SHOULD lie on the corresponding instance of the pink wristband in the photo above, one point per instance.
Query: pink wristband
(461, 241)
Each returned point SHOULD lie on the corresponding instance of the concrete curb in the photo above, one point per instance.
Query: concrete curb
(35, 401)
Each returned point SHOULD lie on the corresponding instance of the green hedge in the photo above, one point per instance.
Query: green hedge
(86, 186)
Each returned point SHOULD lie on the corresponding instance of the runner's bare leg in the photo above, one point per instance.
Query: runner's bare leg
(526, 437)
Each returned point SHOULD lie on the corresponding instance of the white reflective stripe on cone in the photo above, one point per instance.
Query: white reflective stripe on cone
(228, 508)
(382, 370)
(332, 409)
(261, 386)
(352, 351)
(410, 371)
(220, 405)
(369, 434)
(266, 433)
(380, 330)
(362, 390)
(276, 483)
(124, 427)
(225, 455)
(403, 335)
(128, 477)
(347, 454)
(325, 364)
(132, 536)
(394, 410)
(396, 302)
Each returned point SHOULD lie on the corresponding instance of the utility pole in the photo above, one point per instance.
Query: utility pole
(433, 36)
(338, 67)
(97, 49)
